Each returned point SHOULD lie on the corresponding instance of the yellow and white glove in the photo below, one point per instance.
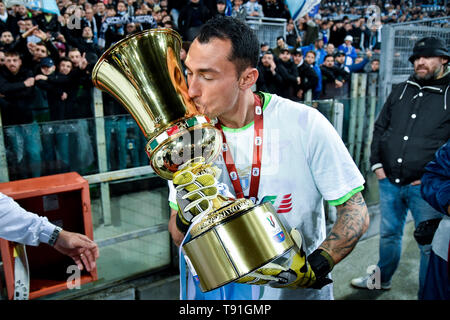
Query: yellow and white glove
(196, 186)
(297, 272)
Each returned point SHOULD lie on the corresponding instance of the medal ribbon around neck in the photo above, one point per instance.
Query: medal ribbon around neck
(257, 155)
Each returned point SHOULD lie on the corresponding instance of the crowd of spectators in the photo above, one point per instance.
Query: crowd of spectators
(46, 62)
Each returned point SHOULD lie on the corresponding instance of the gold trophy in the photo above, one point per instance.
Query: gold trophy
(234, 237)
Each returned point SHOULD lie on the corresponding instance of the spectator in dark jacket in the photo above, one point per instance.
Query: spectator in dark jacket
(58, 86)
(81, 107)
(23, 143)
(281, 44)
(290, 75)
(310, 59)
(308, 77)
(7, 21)
(17, 85)
(337, 34)
(411, 126)
(191, 18)
(55, 84)
(275, 9)
(293, 40)
(82, 100)
(31, 52)
(435, 189)
(48, 22)
(333, 79)
(86, 43)
(6, 40)
(270, 78)
(109, 32)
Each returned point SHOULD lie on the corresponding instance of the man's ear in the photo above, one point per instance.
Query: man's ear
(248, 78)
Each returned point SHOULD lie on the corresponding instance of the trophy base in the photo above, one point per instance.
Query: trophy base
(237, 246)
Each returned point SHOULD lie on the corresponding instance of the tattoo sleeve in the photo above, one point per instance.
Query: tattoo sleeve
(351, 223)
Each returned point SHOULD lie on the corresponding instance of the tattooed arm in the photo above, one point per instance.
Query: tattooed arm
(352, 221)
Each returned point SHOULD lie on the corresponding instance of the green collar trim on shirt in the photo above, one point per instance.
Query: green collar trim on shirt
(265, 97)
(343, 199)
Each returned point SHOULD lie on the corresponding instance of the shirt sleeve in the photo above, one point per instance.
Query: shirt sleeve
(172, 196)
(335, 173)
(19, 225)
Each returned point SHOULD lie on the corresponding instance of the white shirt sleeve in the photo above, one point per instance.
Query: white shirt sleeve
(335, 172)
(19, 225)
(172, 196)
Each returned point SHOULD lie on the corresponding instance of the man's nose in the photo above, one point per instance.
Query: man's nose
(193, 88)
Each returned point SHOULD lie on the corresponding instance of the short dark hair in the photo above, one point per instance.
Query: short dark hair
(244, 43)
(186, 45)
(313, 52)
(72, 49)
(65, 59)
(13, 54)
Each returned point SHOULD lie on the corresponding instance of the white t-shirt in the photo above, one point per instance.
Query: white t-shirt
(303, 162)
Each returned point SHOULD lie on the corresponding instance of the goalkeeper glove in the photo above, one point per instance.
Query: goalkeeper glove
(196, 187)
(299, 272)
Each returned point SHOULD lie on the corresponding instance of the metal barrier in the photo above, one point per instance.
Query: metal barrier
(354, 118)
(268, 29)
(122, 222)
(362, 116)
(396, 47)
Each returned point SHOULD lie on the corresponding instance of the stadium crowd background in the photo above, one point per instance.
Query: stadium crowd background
(46, 62)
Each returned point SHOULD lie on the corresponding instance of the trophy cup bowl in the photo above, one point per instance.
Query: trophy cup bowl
(143, 72)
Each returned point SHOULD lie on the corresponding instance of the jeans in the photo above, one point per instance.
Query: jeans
(394, 202)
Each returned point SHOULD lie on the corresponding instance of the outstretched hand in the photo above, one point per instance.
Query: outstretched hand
(79, 247)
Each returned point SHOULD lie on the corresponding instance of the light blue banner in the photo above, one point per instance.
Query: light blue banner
(48, 6)
(300, 8)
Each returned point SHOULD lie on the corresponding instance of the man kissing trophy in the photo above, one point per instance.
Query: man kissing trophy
(230, 240)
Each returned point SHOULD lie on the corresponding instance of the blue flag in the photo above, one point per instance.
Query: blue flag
(299, 8)
(48, 6)
(314, 10)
